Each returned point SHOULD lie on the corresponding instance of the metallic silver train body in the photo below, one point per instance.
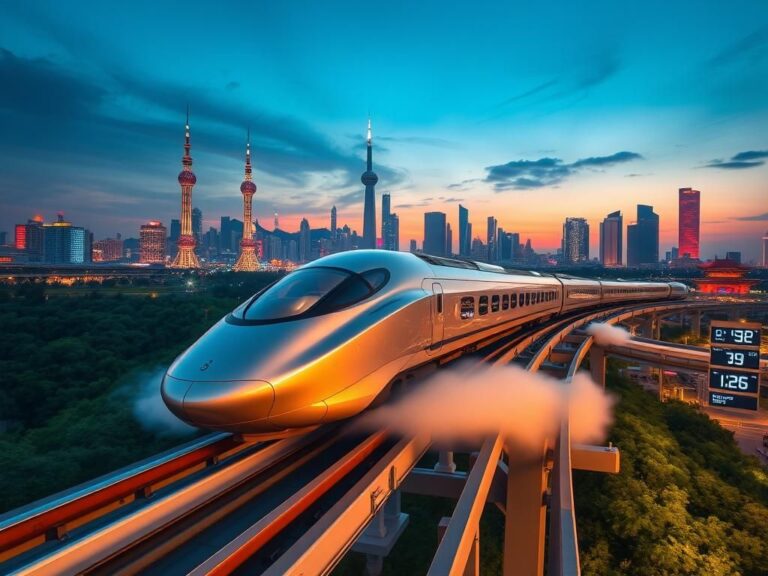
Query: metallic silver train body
(325, 341)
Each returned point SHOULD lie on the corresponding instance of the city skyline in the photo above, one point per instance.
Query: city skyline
(576, 126)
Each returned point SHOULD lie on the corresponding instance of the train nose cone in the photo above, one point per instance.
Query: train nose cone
(212, 404)
(173, 391)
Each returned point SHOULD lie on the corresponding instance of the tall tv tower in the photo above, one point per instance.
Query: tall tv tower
(369, 179)
(186, 257)
(248, 261)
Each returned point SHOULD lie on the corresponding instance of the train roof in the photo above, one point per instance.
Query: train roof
(480, 266)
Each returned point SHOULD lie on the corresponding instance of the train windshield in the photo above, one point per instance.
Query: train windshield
(313, 291)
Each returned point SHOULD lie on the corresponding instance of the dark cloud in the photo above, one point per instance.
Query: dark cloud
(463, 185)
(751, 155)
(572, 84)
(756, 218)
(751, 46)
(741, 161)
(529, 174)
(450, 199)
(599, 161)
(106, 140)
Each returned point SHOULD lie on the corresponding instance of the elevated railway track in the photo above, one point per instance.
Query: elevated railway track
(220, 505)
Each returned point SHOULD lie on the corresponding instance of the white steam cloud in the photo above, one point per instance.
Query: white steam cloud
(608, 334)
(150, 410)
(467, 404)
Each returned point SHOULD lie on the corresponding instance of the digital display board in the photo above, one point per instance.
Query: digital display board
(726, 400)
(731, 335)
(734, 358)
(734, 381)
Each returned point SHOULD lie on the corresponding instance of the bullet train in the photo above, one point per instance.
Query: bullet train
(323, 342)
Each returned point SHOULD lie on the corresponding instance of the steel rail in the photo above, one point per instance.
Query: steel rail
(117, 536)
(323, 545)
(30, 524)
(250, 541)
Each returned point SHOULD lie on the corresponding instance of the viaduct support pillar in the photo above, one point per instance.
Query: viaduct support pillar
(656, 327)
(696, 324)
(525, 521)
(661, 384)
(597, 363)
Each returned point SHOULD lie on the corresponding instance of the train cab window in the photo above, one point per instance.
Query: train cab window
(513, 300)
(495, 303)
(482, 307)
(467, 308)
(505, 301)
(312, 291)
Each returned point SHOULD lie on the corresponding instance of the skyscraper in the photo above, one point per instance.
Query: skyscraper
(688, 223)
(765, 250)
(465, 232)
(434, 233)
(575, 240)
(611, 245)
(197, 226)
(369, 179)
(448, 240)
(64, 243)
(643, 238)
(385, 207)
(412, 246)
(491, 239)
(186, 257)
(152, 243)
(247, 261)
(304, 241)
(394, 231)
(334, 230)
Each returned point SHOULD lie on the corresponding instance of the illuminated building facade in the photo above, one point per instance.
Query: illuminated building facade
(688, 223)
(64, 243)
(369, 180)
(152, 238)
(108, 250)
(611, 239)
(724, 277)
(248, 261)
(575, 240)
(186, 257)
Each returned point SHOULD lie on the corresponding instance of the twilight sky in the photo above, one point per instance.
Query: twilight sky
(530, 112)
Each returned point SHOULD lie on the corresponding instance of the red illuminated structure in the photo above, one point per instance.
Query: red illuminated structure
(688, 223)
(186, 257)
(724, 277)
(248, 261)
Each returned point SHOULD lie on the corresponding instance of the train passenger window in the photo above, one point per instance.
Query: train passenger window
(505, 301)
(495, 303)
(527, 298)
(483, 305)
(513, 300)
(467, 308)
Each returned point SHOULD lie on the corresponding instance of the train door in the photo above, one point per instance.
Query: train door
(438, 316)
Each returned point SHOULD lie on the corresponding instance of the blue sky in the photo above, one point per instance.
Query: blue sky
(527, 112)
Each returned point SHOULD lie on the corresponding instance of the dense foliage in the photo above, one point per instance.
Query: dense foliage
(687, 501)
(68, 367)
